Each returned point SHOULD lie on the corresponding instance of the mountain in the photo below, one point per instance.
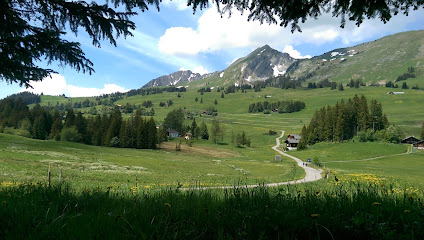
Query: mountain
(176, 78)
(377, 61)
(261, 64)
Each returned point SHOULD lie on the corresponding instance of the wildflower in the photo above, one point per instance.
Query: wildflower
(376, 203)
(167, 204)
(407, 211)
(315, 215)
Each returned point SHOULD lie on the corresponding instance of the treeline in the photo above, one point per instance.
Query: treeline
(27, 97)
(343, 121)
(409, 74)
(282, 81)
(279, 106)
(42, 123)
(154, 90)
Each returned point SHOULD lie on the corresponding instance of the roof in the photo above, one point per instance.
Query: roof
(295, 136)
(171, 131)
(411, 137)
(292, 141)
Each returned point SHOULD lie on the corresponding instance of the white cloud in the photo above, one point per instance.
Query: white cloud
(214, 33)
(294, 53)
(198, 69)
(201, 70)
(56, 85)
(179, 4)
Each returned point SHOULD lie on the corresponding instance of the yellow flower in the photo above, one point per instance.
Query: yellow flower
(376, 203)
(407, 211)
(315, 215)
(167, 204)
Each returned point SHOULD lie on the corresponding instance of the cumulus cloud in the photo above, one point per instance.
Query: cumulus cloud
(198, 69)
(294, 53)
(56, 85)
(214, 33)
(179, 4)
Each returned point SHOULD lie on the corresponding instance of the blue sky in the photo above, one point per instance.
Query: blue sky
(175, 38)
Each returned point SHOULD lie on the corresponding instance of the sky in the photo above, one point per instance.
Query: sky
(174, 39)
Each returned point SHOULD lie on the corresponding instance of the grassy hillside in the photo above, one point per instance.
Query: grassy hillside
(373, 62)
(216, 164)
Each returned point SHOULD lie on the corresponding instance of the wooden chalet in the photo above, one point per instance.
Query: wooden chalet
(172, 133)
(410, 140)
(188, 136)
(292, 141)
(419, 145)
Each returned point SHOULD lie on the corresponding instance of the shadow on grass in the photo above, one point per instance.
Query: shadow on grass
(291, 212)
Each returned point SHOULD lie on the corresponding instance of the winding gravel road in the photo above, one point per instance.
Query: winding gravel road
(311, 175)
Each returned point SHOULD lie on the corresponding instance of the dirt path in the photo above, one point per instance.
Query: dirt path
(311, 175)
(368, 159)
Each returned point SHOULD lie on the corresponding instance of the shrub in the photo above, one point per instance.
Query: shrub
(70, 134)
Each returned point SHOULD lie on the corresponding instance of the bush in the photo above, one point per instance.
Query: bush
(392, 134)
(18, 132)
(365, 136)
(316, 161)
(114, 142)
(70, 134)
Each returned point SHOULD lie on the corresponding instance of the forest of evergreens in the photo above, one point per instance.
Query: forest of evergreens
(106, 130)
(344, 121)
(279, 106)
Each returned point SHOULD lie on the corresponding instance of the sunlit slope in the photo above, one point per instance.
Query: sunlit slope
(372, 62)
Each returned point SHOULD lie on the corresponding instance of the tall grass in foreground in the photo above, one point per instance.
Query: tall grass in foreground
(355, 210)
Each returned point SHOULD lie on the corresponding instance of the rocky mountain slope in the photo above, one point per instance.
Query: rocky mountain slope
(261, 64)
(378, 61)
(176, 78)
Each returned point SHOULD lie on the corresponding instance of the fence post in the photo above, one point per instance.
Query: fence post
(136, 180)
(60, 176)
(50, 175)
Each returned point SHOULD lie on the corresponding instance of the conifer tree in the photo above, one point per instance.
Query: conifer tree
(38, 128)
(204, 133)
(56, 129)
(114, 127)
(152, 134)
(193, 127)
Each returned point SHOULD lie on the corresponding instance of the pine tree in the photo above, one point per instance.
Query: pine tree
(215, 130)
(38, 128)
(222, 94)
(56, 129)
(239, 140)
(162, 136)
(152, 134)
(204, 133)
(215, 102)
(193, 127)
(114, 127)
(341, 87)
(70, 118)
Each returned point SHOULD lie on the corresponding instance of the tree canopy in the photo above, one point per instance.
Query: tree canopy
(32, 30)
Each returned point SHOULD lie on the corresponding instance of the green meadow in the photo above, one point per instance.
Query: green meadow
(369, 190)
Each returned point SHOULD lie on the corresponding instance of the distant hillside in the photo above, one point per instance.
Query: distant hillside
(176, 78)
(378, 61)
(261, 64)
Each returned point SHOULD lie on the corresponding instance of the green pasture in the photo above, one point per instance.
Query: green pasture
(95, 165)
(28, 160)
